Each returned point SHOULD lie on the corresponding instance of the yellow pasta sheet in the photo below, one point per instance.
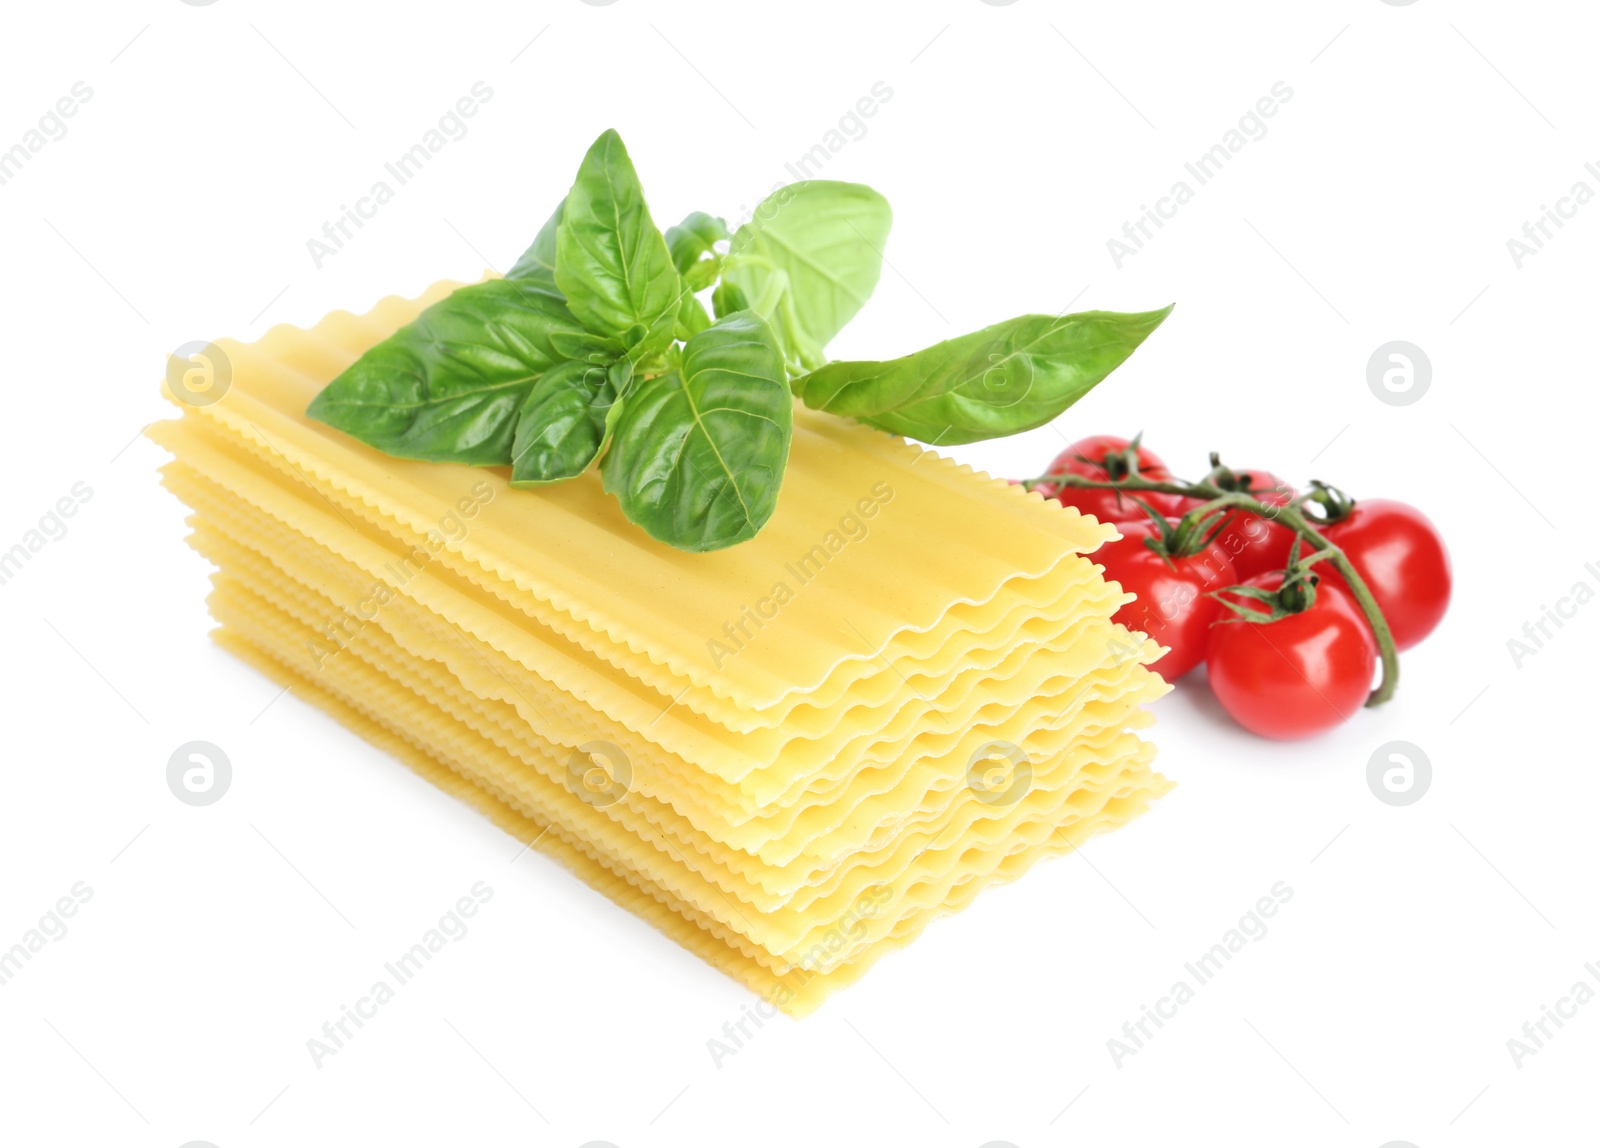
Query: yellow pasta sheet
(773, 768)
(799, 713)
(935, 788)
(578, 566)
(904, 901)
(796, 990)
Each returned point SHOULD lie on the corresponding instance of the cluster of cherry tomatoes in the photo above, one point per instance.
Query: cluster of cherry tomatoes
(1288, 647)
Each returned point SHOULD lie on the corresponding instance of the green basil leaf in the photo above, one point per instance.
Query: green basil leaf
(611, 262)
(540, 258)
(561, 428)
(447, 386)
(692, 319)
(826, 239)
(1007, 378)
(703, 274)
(583, 345)
(693, 246)
(699, 453)
(726, 299)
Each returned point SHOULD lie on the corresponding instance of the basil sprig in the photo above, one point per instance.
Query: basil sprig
(596, 348)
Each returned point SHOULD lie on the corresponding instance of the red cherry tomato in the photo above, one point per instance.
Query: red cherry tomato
(1173, 603)
(1087, 459)
(1259, 545)
(1299, 675)
(1402, 559)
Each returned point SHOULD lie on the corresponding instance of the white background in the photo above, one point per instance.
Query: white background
(1017, 141)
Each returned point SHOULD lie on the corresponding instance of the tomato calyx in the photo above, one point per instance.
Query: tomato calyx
(1327, 504)
(1118, 464)
(1189, 535)
(1296, 594)
(1234, 481)
(1109, 463)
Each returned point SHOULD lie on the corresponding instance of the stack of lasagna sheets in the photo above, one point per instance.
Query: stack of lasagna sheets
(789, 755)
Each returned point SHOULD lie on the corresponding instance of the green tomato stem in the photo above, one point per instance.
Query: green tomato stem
(1290, 516)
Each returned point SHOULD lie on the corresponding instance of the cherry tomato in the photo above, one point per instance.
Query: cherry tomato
(1300, 675)
(1258, 545)
(1173, 603)
(1402, 559)
(1087, 459)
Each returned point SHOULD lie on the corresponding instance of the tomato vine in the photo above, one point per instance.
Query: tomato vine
(1215, 498)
